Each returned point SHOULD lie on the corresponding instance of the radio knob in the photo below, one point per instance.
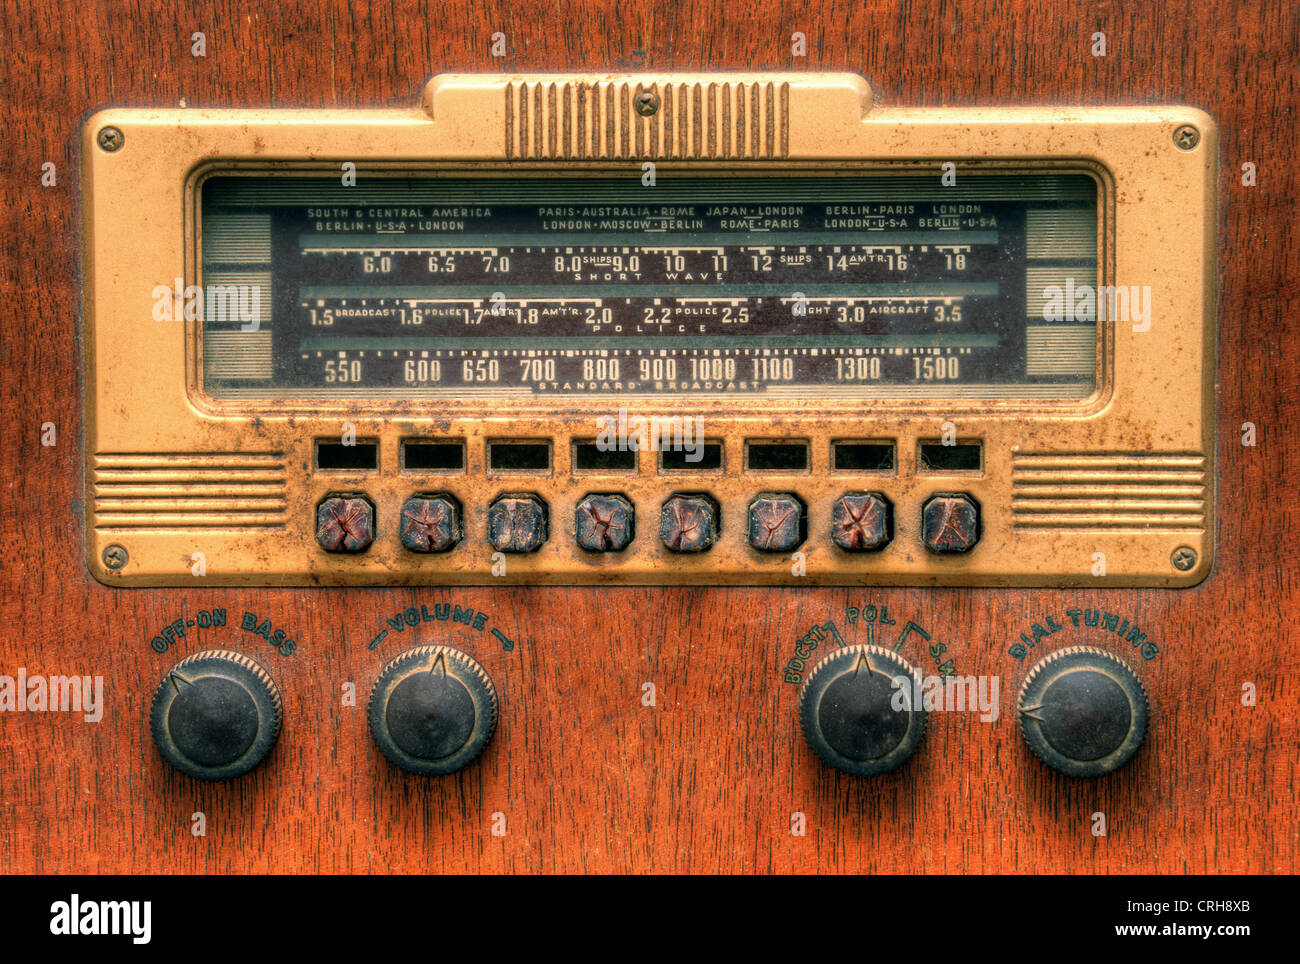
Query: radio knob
(433, 710)
(215, 715)
(847, 710)
(1083, 711)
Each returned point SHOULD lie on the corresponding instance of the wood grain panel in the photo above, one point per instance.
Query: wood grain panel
(587, 777)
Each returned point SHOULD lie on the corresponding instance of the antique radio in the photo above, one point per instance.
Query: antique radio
(650, 329)
(607, 457)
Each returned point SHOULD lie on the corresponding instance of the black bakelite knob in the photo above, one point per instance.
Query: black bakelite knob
(215, 715)
(1083, 711)
(433, 710)
(860, 712)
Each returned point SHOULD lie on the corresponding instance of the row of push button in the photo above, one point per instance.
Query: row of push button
(688, 522)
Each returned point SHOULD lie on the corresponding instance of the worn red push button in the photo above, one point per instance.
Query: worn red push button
(950, 522)
(604, 523)
(777, 522)
(688, 522)
(345, 523)
(518, 523)
(862, 522)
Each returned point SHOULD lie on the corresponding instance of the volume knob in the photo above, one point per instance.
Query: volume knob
(1083, 711)
(215, 715)
(859, 711)
(433, 710)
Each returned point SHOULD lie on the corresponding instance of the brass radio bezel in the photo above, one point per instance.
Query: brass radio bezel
(1112, 489)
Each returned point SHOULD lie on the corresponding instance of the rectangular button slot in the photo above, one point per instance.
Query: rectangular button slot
(426, 456)
(588, 458)
(962, 457)
(862, 456)
(335, 456)
(776, 456)
(705, 458)
(519, 456)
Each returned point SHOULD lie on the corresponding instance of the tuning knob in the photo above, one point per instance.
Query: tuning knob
(859, 710)
(1083, 711)
(433, 710)
(215, 715)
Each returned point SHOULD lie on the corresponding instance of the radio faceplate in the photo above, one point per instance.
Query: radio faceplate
(425, 347)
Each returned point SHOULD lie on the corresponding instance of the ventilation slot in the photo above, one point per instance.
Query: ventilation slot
(1108, 491)
(182, 491)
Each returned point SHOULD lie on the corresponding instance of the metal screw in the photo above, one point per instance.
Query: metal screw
(1187, 137)
(115, 558)
(1183, 558)
(647, 103)
(110, 139)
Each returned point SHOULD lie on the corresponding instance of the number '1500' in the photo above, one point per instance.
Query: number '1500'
(932, 369)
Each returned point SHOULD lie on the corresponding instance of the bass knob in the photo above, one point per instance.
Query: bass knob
(216, 714)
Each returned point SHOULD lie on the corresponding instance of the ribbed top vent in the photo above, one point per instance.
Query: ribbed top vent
(575, 120)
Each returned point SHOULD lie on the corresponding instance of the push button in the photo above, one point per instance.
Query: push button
(604, 523)
(431, 523)
(345, 523)
(518, 523)
(950, 522)
(862, 522)
(777, 522)
(689, 522)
